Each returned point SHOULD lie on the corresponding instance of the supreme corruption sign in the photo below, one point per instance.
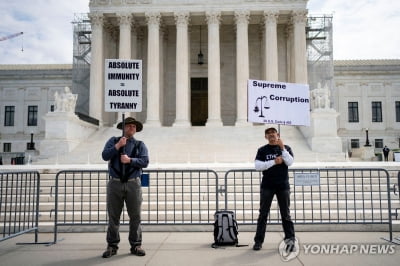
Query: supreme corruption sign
(123, 85)
(278, 103)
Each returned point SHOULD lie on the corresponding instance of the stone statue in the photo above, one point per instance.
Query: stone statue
(66, 101)
(320, 98)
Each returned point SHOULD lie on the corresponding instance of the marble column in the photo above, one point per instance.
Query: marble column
(214, 70)
(124, 44)
(134, 40)
(134, 48)
(242, 65)
(96, 103)
(271, 45)
(124, 35)
(153, 69)
(163, 30)
(289, 53)
(182, 70)
(299, 19)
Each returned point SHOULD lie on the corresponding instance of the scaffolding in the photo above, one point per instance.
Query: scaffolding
(320, 53)
(81, 61)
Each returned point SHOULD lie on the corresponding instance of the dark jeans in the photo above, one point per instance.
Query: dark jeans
(283, 197)
(117, 193)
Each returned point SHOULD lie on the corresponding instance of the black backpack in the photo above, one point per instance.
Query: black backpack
(225, 229)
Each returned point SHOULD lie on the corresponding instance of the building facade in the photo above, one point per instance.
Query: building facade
(367, 96)
(26, 95)
(197, 57)
(236, 40)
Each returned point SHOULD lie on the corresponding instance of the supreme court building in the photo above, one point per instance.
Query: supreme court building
(197, 55)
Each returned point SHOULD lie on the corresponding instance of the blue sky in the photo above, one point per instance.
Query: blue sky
(362, 29)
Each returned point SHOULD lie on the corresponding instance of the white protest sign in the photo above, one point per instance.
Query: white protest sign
(278, 103)
(123, 85)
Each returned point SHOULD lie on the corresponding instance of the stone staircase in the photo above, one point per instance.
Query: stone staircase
(174, 145)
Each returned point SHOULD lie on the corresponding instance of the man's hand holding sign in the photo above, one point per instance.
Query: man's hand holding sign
(282, 104)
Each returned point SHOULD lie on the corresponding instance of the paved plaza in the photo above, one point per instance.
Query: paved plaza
(194, 248)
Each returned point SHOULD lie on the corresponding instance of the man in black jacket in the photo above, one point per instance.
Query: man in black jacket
(126, 157)
(386, 151)
(274, 159)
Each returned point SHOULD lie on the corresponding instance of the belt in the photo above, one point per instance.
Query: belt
(129, 179)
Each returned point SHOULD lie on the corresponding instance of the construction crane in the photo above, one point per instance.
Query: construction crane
(13, 36)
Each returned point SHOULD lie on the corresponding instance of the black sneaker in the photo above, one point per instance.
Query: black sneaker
(290, 245)
(257, 246)
(110, 251)
(138, 251)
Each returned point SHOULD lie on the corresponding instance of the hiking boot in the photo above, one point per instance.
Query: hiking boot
(290, 245)
(110, 251)
(138, 251)
(257, 246)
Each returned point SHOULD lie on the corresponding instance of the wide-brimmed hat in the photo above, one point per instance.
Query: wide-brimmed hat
(131, 120)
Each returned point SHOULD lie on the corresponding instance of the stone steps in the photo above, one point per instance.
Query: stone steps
(226, 144)
(304, 207)
(150, 204)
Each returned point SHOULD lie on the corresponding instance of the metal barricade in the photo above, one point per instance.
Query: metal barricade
(396, 193)
(80, 198)
(191, 197)
(173, 197)
(180, 197)
(19, 204)
(342, 196)
(395, 182)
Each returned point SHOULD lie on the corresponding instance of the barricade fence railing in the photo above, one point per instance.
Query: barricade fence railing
(336, 196)
(333, 196)
(174, 197)
(395, 189)
(191, 197)
(318, 196)
(19, 204)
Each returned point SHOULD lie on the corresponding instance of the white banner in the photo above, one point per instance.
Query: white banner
(278, 103)
(123, 85)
